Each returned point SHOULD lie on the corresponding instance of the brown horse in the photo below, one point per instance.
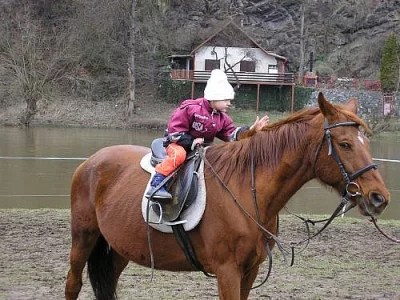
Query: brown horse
(108, 229)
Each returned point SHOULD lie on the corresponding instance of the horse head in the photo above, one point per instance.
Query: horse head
(343, 159)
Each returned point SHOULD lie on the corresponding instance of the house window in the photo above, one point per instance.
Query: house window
(247, 66)
(272, 69)
(211, 64)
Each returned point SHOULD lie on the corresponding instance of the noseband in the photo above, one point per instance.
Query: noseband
(350, 184)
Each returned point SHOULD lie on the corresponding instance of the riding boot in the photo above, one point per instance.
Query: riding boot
(161, 193)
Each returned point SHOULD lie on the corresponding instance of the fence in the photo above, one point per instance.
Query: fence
(345, 83)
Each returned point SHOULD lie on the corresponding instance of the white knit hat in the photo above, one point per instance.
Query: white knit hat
(218, 87)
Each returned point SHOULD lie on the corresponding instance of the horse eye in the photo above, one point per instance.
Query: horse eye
(345, 145)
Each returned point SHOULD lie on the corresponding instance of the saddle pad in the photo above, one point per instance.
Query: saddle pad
(192, 215)
(145, 163)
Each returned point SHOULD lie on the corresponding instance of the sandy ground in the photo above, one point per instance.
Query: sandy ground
(350, 260)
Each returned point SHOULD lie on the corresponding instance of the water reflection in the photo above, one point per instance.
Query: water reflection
(39, 183)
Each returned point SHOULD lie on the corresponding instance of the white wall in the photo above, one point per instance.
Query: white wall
(234, 55)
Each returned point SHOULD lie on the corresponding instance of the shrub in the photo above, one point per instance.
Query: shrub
(302, 96)
(174, 91)
(389, 70)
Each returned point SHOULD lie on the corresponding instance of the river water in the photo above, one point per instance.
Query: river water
(36, 166)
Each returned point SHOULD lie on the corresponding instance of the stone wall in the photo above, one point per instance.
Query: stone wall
(370, 103)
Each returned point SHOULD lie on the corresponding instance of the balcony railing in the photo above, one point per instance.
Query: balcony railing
(242, 77)
(181, 74)
(282, 79)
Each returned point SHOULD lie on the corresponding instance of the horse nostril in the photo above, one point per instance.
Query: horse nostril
(377, 199)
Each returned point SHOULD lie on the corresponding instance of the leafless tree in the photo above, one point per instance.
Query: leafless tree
(302, 44)
(131, 64)
(30, 63)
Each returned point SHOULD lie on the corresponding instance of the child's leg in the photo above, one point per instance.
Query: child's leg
(176, 155)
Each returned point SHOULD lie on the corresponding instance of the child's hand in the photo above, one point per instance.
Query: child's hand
(197, 141)
(260, 123)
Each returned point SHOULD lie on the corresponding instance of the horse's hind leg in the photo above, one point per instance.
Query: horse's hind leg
(84, 232)
(119, 263)
(104, 268)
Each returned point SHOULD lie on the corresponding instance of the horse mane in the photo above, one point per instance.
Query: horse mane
(269, 143)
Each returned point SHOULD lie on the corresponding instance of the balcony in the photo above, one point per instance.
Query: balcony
(242, 77)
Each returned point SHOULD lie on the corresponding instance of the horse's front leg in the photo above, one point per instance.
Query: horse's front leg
(229, 279)
(247, 282)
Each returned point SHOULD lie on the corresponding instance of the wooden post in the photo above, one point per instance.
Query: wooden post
(193, 79)
(193, 88)
(292, 109)
(258, 98)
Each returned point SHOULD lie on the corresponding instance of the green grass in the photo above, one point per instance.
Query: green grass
(243, 117)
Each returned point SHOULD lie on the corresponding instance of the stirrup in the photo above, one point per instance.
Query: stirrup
(158, 194)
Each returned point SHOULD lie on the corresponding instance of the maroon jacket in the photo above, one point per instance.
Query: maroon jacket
(196, 118)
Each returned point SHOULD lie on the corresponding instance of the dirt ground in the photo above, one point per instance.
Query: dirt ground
(350, 260)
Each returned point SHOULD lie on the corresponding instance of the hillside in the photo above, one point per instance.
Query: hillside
(346, 37)
(78, 49)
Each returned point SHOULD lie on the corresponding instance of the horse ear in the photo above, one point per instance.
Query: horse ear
(352, 105)
(327, 109)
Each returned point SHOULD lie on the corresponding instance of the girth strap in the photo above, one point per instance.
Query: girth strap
(187, 248)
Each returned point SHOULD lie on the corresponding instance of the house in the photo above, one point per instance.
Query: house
(243, 59)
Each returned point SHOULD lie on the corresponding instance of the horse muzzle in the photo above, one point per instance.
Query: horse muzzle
(375, 204)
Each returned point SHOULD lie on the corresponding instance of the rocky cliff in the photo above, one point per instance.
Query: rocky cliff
(345, 36)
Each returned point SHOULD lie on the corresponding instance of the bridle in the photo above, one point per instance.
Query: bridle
(350, 184)
(351, 189)
(332, 152)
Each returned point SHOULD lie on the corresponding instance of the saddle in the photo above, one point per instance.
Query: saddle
(182, 184)
(187, 187)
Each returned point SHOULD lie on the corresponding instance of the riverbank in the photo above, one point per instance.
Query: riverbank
(150, 114)
(349, 260)
(71, 112)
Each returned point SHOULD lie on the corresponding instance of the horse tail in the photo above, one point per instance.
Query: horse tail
(101, 271)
